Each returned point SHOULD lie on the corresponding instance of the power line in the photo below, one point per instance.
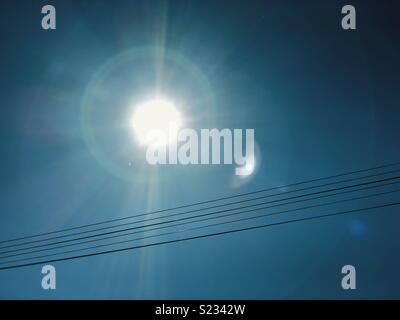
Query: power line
(199, 236)
(207, 214)
(187, 218)
(201, 220)
(200, 203)
(184, 230)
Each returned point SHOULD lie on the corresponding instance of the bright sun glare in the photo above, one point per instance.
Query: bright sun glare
(157, 114)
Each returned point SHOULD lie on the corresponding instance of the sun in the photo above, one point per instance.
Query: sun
(156, 116)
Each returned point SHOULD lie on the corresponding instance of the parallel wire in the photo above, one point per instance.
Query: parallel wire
(192, 217)
(208, 235)
(199, 203)
(207, 208)
(187, 229)
(196, 221)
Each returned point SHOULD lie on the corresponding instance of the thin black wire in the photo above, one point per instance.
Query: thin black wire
(191, 217)
(201, 220)
(200, 203)
(202, 215)
(199, 236)
(181, 213)
(187, 229)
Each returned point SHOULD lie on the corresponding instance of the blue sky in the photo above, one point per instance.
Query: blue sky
(322, 101)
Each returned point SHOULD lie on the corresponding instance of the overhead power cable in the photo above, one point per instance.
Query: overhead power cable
(201, 209)
(199, 203)
(189, 222)
(208, 235)
(185, 230)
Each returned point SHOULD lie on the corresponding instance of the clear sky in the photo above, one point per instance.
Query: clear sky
(322, 101)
